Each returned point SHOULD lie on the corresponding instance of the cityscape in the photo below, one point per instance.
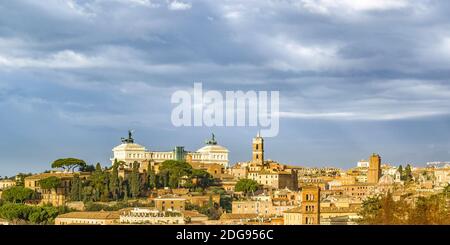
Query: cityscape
(181, 187)
(236, 119)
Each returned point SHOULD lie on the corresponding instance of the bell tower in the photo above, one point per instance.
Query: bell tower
(258, 150)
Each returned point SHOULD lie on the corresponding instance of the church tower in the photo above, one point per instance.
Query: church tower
(374, 172)
(310, 205)
(258, 150)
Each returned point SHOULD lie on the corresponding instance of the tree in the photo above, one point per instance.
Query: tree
(18, 194)
(43, 215)
(247, 186)
(87, 193)
(87, 168)
(225, 199)
(430, 211)
(152, 180)
(76, 189)
(446, 191)
(104, 195)
(69, 163)
(171, 172)
(425, 210)
(98, 180)
(34, 214)
(202, 178)
(114, 181)
(50, 183)
(400, 170)
(407, 177)
(212, 210)
(21, 178)
(383, 210)
(135, 183)
(15, 212)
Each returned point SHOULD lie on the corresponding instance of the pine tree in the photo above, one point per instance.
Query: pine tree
(114, 181)
(98, 181)
(408, 173)
(400, 170)
(75, 191)
(105, 188)
(152, 181)
(135, 184)
(125, 193)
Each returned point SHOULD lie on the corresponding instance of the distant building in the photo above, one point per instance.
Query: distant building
(171, 203)
(194, 217)
(150, 216)
(6, 183)
(308, 213)
(363, 164)
(258, 150)
(438, 164)
(88, 218)
(239, 170)
(268, 173)
(238, 219)
(202, 200)
(130, 152)
(358, 190)
(442, 176)
(268, 205)
(374, 172)
(275, 179)
(310, 205)
(55, 197)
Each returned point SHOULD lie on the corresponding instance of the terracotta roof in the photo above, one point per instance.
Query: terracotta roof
(90, 215)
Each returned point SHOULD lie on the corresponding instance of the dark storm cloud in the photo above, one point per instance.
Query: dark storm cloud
(79, 73)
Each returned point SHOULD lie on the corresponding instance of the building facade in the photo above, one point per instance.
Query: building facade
(57, 196)
(170, 203)
(129, 152)
(88, 218)
(258, 150)
(310, 205)
(374, 171)
(150, 216)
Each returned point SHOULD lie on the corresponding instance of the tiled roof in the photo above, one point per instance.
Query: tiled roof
(90, 215)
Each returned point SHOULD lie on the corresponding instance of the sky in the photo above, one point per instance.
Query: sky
(355, 77)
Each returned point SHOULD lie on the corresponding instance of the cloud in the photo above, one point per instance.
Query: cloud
(330, 6)
(178, 5)
(62, 59)
(79, 65)
(386, 101)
